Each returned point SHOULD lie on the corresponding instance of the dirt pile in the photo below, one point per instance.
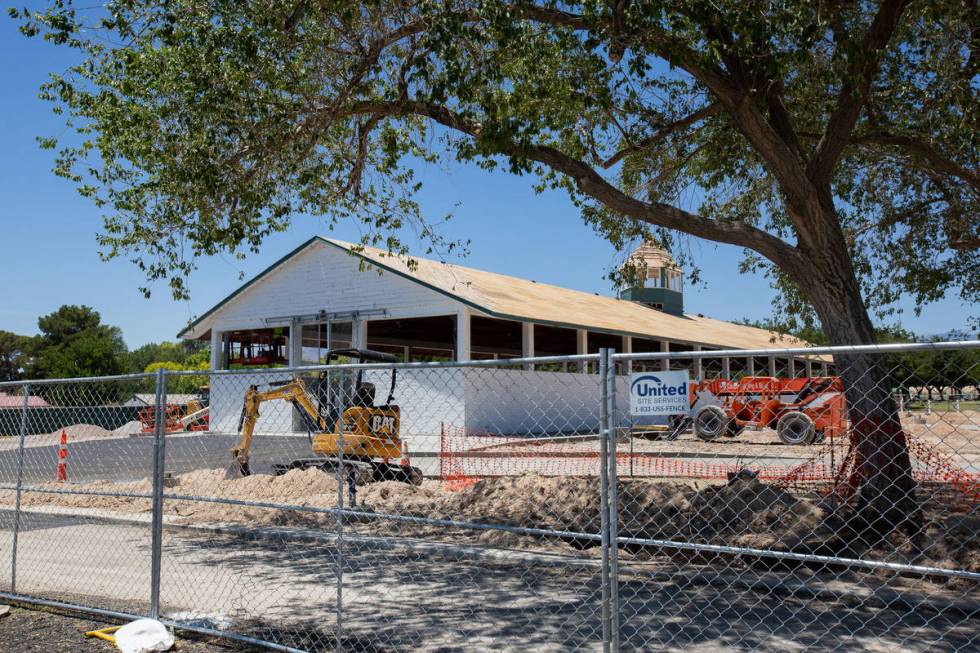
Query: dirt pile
(301, 487)
(743, 512)
(746, 512)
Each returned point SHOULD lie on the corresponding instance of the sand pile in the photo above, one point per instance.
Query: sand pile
(117, 504)
(307, 488)
(129, 428)
(744, 511)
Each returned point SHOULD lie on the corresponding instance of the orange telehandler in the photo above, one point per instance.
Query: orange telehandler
(802, 410)
(344, 425)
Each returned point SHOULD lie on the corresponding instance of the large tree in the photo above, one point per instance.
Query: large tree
(835, 141)
(75, 343)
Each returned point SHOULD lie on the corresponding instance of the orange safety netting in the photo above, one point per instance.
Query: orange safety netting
(467, 456)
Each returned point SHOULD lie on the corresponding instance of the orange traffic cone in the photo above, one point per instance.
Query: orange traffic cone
(63, 458)
(405, 462)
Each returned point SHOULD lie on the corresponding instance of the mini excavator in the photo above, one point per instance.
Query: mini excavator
(344, 426)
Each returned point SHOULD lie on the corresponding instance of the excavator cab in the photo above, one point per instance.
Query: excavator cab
(337, 391)
(345, 426)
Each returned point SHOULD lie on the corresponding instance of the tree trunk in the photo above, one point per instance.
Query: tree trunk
(882, 472)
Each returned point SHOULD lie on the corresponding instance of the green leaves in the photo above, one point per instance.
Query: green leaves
(74, 343)
(203, 127)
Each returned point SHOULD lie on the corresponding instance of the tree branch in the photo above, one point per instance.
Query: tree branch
(863, 65)
(918, 148)
(591, 183)
(661, 134)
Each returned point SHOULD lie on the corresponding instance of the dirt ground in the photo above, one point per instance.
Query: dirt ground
(37, 630)
(957, 434)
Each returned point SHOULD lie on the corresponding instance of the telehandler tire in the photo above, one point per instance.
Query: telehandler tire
(710, 423)
(795, 428)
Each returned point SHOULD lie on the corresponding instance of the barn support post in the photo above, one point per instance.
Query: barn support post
(726, 367)
(698, 364)
(359, 333)
(216, 353)
(463, 334)
(772, 366)
(527, 343)
(582, 347)
(225, 349)
(295, 343)
(665, 362)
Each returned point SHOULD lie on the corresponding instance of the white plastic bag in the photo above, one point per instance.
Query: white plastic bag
(144, 636)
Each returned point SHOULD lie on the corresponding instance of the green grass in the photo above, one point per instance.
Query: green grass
(942, 406)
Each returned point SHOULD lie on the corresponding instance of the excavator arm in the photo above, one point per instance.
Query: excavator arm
(293, 391)
(364, 435)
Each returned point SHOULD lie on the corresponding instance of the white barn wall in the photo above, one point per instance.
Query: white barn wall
(509, 402)
(325, 278)
(227, 395)
(520, 402)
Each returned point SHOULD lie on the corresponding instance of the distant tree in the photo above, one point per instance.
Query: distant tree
(156, 352)
(14, 355)
(814, 335)
(73, 342)
(181, 383)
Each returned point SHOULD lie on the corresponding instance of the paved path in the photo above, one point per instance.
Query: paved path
(409, 596)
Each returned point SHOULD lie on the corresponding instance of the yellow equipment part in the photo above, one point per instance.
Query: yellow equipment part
(368, 432)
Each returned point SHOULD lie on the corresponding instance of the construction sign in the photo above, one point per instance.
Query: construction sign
(659, 393)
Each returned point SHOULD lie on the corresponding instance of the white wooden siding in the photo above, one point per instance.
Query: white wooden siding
(322, 277)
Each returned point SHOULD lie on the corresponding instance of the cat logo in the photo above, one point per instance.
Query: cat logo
(384, 423)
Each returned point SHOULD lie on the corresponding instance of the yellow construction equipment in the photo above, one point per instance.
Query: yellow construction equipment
(345, 428)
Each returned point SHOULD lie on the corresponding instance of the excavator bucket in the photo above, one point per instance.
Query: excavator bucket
(237, 470)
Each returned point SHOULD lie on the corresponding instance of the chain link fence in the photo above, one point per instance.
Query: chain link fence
(782, 499)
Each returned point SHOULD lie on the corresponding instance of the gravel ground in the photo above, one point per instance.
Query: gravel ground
(37, 630)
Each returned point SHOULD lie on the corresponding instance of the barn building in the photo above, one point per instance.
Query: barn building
(329, 294)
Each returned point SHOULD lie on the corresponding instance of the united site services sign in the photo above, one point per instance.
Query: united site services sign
(659, 393)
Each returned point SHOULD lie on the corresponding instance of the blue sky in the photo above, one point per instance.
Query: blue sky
(50, 256)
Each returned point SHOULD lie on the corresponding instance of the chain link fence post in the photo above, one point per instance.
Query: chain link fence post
(604, 496)
(613, 500)
(159, 457)
(20, 481)
(339, 643)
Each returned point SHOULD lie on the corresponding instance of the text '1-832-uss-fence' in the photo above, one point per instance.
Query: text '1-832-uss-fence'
(727, 500)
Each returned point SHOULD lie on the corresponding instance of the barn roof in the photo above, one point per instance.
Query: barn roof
(507, 297)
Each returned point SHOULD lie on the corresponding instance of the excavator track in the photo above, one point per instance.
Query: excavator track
(368, 471)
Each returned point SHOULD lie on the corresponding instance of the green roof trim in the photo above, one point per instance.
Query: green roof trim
(248, 285)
